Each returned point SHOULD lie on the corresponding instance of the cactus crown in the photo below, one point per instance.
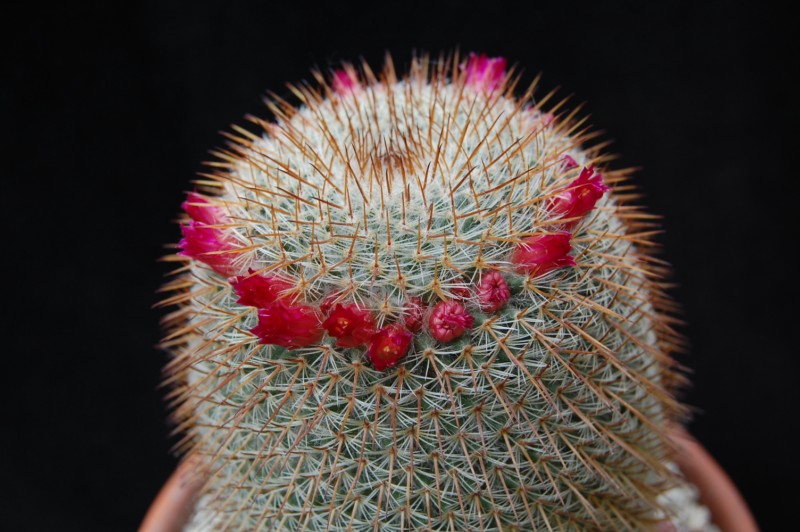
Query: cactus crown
(414, 303)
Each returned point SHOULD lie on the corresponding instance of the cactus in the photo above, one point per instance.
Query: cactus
(422, 302)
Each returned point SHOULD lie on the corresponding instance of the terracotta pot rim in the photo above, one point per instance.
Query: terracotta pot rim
(729, 511)
(172, 507)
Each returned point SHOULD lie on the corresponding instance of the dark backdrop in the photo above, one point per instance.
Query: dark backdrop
(108, 112)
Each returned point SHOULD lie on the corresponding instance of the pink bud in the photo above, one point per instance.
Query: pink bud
(208, 245)
(350, 325)
(200, 210)
(484, 72)
(493, 291)
(202, 242)
(539, 254)
(388, 346)
(288, 325)
(258, 290)
(344, 81)
(449, 320)
(579, 197)
(415, 313)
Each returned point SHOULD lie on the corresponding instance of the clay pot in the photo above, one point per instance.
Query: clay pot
(173, 505)
(717, 492)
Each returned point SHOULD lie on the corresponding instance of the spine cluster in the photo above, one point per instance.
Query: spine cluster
(421, 302)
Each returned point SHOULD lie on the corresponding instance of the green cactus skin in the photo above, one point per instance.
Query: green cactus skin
(550, 413)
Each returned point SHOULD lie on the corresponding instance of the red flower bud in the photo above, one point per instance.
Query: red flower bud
(449, 320)
(343, 81)
(388, 346)
(539, 254)
(258, 290)
(415, 313)
(200, 210)
(493, 291)
(350, 325)
(484, 72)
(205, 243)
(579, 197)
(288, 325)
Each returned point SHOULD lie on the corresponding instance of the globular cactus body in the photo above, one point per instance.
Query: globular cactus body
(421, 303)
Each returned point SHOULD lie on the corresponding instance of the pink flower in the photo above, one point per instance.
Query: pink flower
(415, 313)
(288, 325)
(539, 254)
(568, 163)
(344, 81)
(388, 346)
(258, 290)
(350, 325)
(200, 210)
(493, 291)
(579, 197)
(449, 320)
(205, 243)
(484, 72)
(208, 245)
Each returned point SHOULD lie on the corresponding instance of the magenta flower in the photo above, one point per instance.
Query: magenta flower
(579, 197)
(288, 325)
(415, 314)
(208, 245)
(204, 242)
(200, 210)
(258, 290)
(539, 254)
(350, 325)
(493, 291)
(388, 346)
(449, 320)
(484, 72)
(344, 81)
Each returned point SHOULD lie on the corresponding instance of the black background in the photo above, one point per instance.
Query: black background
(107, 113)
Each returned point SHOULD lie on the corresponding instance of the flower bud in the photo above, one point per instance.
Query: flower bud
(493, 291)
(484, 72)
(259, 290)
(414, 314)
(350, 325)
(539, 254)
(579, 197)
(288, 325)
(388, 346)
(449, 320)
